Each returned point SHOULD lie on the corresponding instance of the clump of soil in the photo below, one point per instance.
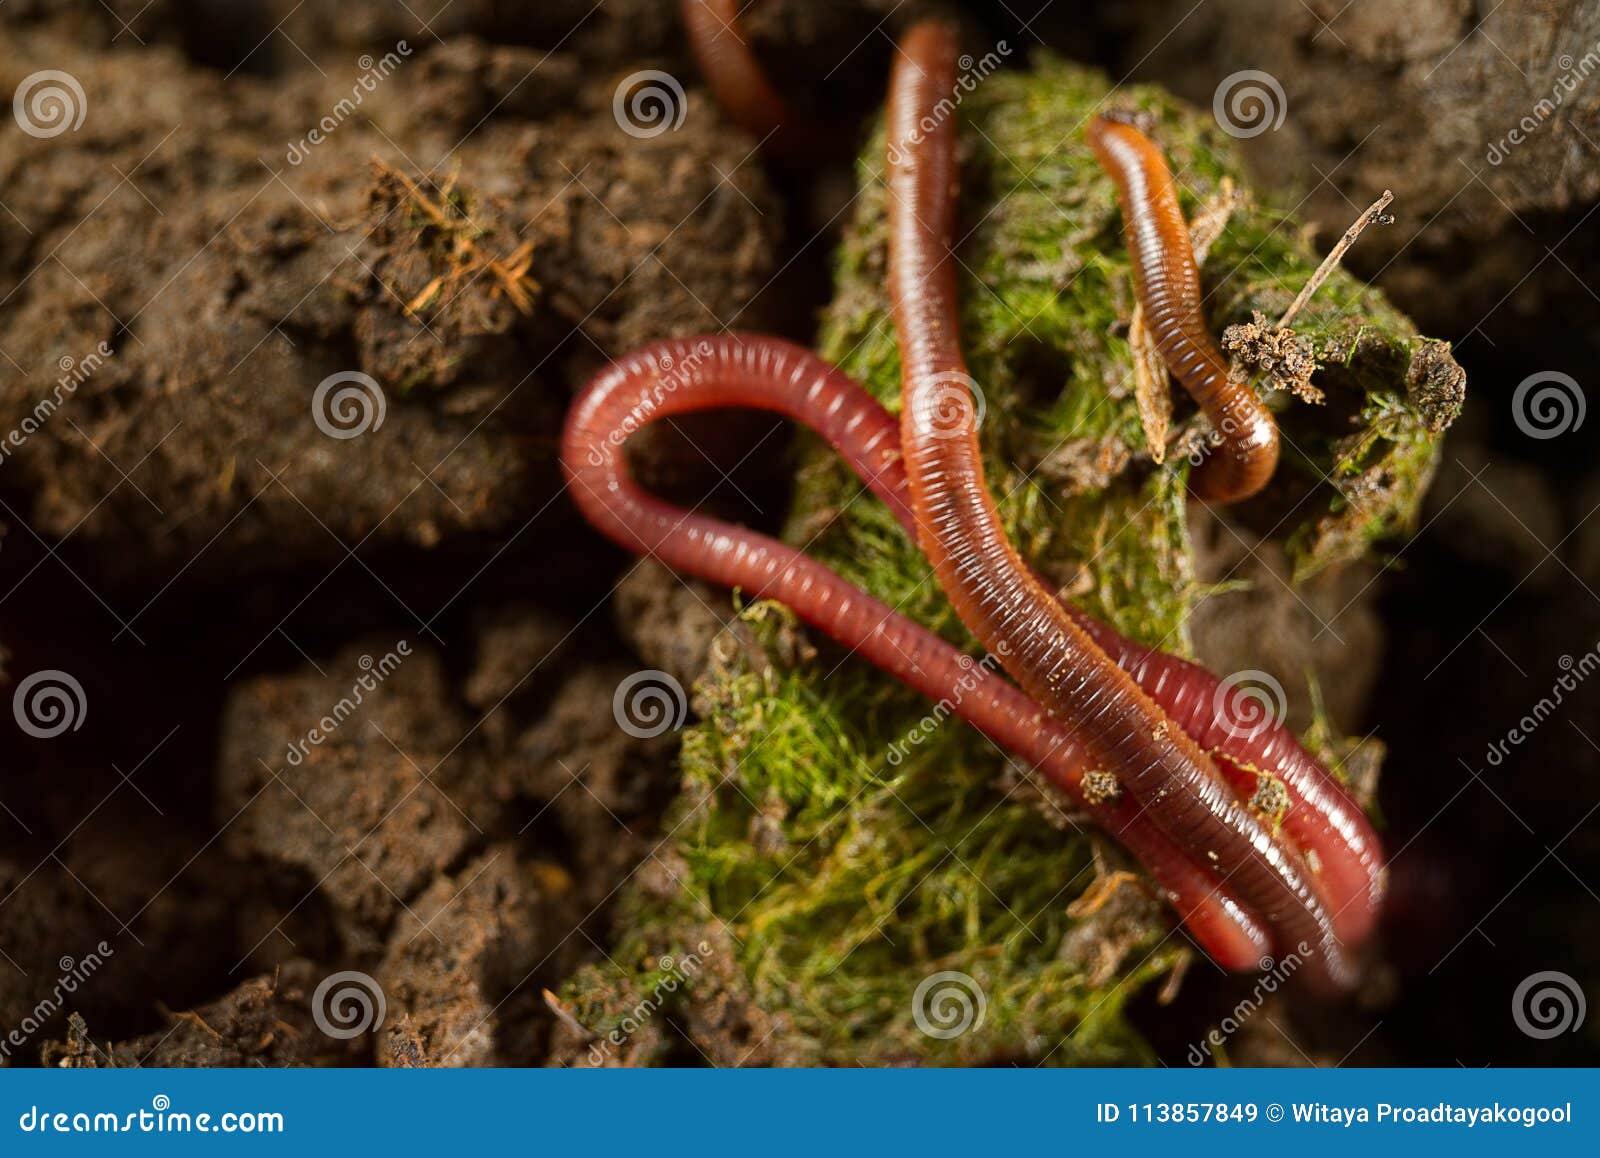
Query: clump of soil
(266, 1021)
(480, 237)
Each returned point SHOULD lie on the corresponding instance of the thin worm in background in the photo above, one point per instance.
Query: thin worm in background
(743, 91)
(1168, 287)
(993, 590)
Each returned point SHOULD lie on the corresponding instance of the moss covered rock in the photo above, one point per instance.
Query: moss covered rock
(874, 874)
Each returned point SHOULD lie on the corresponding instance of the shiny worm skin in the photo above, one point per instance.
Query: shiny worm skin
(729, 370)
(752, 371)
(1167, 285)
(742, 89)
(995, 593)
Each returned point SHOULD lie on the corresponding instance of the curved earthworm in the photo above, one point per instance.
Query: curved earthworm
(749, 370)
(737, 80)
(677, 377)
(1168, 287)
(993, 590)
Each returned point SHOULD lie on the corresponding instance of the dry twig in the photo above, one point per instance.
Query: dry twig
(1374, 215)
(510, 273)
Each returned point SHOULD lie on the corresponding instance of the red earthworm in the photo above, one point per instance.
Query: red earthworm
(678, 377)
(1168, 288)
(740, 84)
(1320, 816)
(993, 590)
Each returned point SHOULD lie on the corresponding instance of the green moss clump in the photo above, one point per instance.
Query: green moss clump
(841, 839)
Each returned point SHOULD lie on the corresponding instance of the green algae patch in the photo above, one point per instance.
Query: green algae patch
(880, 883)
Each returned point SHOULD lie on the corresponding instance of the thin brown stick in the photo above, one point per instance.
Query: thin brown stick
(1374, 215)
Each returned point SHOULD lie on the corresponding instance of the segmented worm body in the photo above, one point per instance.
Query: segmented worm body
(751, 371)
(994, 591)
(737, 80)
(1168, 287)
(1319, 816)
(678, 377)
